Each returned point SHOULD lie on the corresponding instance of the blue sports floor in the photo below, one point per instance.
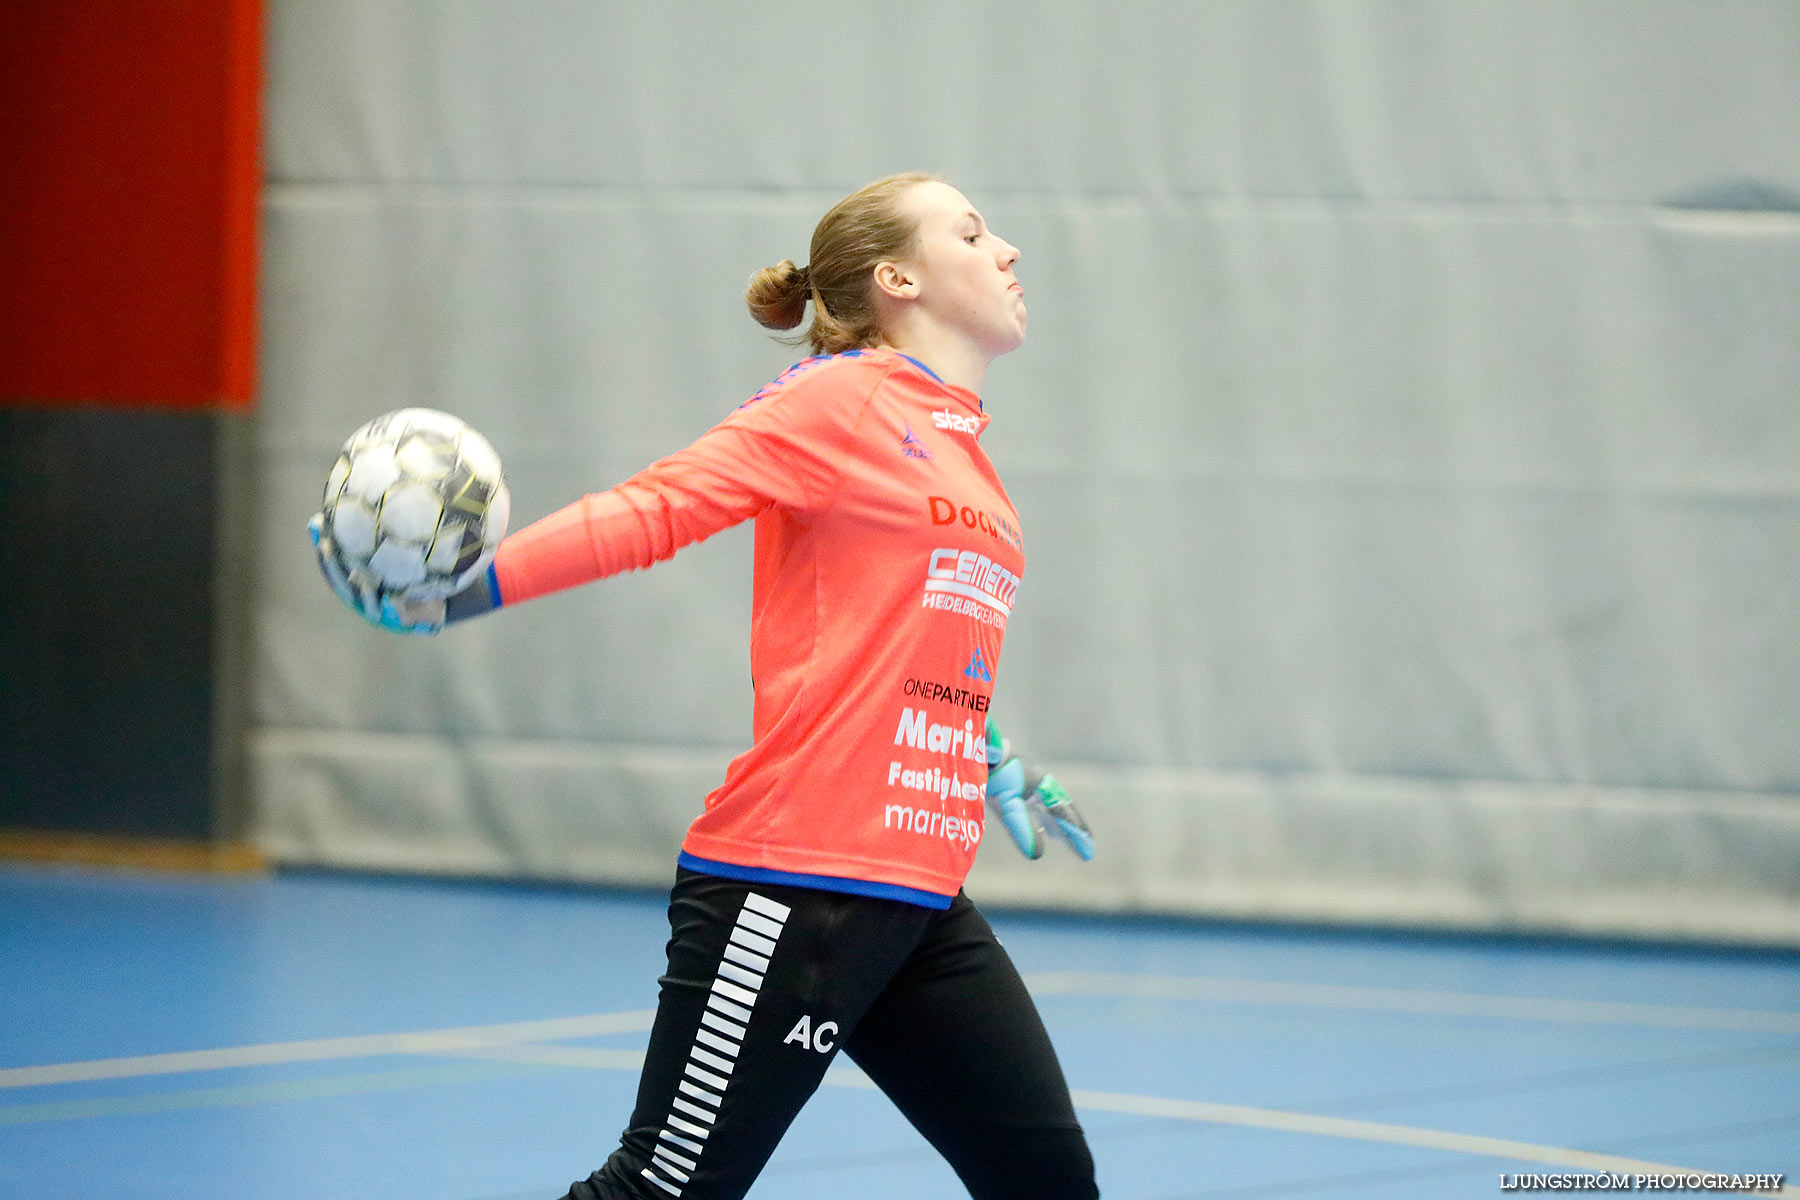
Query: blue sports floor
(335, 1037)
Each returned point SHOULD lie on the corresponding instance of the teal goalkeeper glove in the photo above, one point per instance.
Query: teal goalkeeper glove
(1030, 804)
(365, 598)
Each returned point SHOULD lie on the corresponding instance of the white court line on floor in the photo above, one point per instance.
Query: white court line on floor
(1399, 1000)
(1044, 983)
(320, 1049)
(593, 1058)
(1376, 1131)
(1226, 1114)
(523, 1042)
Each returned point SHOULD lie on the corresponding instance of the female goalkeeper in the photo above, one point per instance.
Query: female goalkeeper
(818, 900)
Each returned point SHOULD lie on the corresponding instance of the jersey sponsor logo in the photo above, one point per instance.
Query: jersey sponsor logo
(970, 583)
(944, 693)
(917, 731)
(965, 607)
(934, 822)
(977, 668)
(935, 781)
(943, 418)
(912, 447)
(948, 512)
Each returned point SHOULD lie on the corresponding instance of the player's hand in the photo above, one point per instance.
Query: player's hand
(1031, 806)
(364, 597)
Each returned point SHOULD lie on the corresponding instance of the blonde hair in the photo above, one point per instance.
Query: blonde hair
(863, 229)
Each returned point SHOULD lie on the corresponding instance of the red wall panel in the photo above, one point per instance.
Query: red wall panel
(129, 186)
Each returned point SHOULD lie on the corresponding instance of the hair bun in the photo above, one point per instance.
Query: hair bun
(777, 295)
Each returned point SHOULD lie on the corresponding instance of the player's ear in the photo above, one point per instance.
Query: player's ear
(894, 279)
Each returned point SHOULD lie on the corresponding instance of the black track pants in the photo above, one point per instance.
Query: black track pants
(767, 983)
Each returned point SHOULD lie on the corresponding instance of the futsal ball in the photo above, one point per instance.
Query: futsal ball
(415, 504)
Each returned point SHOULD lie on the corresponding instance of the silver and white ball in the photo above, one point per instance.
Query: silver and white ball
(416, 504)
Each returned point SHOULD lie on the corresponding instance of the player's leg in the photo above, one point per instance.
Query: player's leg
(761, 980)
(957, 1043)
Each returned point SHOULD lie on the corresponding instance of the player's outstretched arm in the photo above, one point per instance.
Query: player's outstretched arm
(1031, 805)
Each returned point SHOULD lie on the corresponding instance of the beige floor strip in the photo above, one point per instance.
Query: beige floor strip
(131, 853)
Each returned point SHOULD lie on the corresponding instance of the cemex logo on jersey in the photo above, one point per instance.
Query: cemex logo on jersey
(970, 583)
(943, 418)
(948, 512)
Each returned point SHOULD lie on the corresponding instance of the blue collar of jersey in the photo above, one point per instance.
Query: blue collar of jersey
(979, 402)
(915, 362)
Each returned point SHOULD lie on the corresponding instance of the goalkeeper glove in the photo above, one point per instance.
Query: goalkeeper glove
(363, 596)
(1031, 804)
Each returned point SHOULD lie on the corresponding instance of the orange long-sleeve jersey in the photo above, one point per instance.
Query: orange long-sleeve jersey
(887, 555)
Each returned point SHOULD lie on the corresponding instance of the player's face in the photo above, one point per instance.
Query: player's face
(964, 270)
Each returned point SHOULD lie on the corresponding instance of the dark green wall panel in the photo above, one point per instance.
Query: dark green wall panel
(107, 555)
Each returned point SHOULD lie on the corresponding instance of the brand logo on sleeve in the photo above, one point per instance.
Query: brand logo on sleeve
(912, 447)
(943, 418)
